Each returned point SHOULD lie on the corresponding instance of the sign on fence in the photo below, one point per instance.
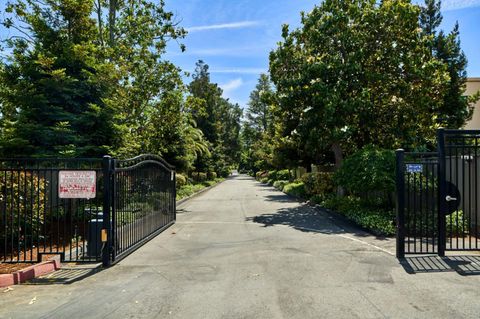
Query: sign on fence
(77, 184)
(414, 168)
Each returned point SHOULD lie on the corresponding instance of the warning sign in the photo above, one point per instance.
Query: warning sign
(77, 184)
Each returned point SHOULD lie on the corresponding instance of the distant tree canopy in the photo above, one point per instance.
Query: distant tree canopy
(89, 78)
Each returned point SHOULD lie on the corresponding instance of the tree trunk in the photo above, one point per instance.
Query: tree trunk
(338, 153)
(112, 17)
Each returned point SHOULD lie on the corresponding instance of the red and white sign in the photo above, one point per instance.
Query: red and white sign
(77, 184)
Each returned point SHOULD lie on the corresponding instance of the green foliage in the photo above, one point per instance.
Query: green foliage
(280, 184)
(457, 224)
(283, 174)
(455, 110)
(211, 175)
(258, 130)
(199, 177)
(368, 170)
(189, 190)
(296, 189)
(24, 195)
(264, 180)
(378, 221)
(387, 90)
(180, 180)
(320, 183)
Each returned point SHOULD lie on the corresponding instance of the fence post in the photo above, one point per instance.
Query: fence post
(174, 195)
(107, 227)
(441, 192)
(400, 180)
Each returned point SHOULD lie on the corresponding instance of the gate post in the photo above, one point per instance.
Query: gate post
(400, 180)
(441, 192)
(107, 226)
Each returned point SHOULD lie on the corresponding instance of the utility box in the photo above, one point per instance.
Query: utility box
(94, 237)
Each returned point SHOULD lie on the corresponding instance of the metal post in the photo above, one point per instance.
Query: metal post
(400, 179)
(441, 192)
(106, 210)
(113, 195)
(174, 195)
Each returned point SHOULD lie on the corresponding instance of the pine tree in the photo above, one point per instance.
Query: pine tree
(454, 111)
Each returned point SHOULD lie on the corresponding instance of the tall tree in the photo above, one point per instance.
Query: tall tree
(357, 73)
(454, 111)
(54, 84)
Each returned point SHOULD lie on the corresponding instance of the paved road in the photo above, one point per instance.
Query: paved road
(244, 250)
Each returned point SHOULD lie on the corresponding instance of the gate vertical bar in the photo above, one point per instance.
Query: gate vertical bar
(107, 160)
(442, 236)
(400, 177)
(113, 201)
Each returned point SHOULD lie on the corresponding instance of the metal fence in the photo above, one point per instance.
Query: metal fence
(437, 196)
(133, 201)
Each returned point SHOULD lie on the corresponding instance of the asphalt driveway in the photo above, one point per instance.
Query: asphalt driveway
(245, 250)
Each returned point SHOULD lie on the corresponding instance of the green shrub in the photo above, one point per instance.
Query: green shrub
(180, 180)
(320, 183)
(369, 170)
(261, 174)
(280, 184)
(23, 194)
(458, 224)
(202, 177)
(211, 175)
(296, 189)
(283, 175)
(380, 222)
(272, 175)
(264, 180)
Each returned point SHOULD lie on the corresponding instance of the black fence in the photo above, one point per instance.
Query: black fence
(83, 210)
(437, 196)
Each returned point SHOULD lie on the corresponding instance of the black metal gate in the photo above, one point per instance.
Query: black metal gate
(437, 196)
(134, 201)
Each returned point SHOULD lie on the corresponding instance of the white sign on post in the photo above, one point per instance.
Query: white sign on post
(77, 184)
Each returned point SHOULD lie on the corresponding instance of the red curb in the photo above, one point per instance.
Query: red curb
(28, 273)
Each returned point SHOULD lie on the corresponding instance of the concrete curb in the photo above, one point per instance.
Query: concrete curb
(183, 200)
(28, 273)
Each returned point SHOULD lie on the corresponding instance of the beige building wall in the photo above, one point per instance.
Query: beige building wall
(473, 86)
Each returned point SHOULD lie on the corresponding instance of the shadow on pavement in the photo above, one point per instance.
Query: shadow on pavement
(67, 275)
(466, 265)
(307, 218)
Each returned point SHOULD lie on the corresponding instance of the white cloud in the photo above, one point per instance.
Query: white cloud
(233, 25)
(231, 86)
(448, 5)
(239, 70)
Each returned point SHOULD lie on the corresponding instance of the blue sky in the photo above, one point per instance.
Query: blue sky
(234, 37)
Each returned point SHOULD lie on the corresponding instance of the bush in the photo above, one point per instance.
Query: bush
(211, 175)
(380, 222)
(318, 183)
(261, 174)
(284, 174)
(296, 189)
(272, 175)
(264, 180)
(458, 224)
(199, 177)
(369, 170)
(23, 194)
(180, 180)
(280, 184)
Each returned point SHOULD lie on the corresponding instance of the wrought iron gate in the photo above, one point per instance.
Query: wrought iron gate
(437, 196)
(134, 201)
